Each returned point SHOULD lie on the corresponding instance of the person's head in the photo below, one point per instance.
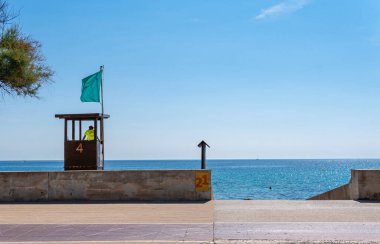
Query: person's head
(91, 127)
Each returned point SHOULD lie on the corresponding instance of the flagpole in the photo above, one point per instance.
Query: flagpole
(102, 118)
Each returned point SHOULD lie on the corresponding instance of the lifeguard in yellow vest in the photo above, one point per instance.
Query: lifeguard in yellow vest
(90, 134)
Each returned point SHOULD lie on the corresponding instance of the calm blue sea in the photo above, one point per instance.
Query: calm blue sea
(242, 179)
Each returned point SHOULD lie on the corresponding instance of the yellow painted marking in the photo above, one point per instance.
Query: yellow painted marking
(202, 180)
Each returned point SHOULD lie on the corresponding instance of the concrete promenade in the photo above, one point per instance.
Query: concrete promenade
(209, 222)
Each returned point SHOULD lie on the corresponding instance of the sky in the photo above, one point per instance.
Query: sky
(253, 78)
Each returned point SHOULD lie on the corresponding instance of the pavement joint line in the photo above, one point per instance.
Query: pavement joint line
(230, 241)
(237, 241)
(301, 222)
(130, 223)
(106, 242)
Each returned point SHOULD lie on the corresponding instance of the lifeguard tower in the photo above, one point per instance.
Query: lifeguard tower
(82, 154)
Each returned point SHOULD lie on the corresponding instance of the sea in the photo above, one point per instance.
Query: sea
(254, 179)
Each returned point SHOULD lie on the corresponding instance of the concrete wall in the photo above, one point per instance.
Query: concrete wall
(127, 185)
(340, 193)
(363, 185)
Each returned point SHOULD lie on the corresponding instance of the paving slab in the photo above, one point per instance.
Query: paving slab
(299, 231)
(291, 242)
(110, 242)
(108, 223)
(106, 232)
(296, 211)
(104, 213)
(296, 221)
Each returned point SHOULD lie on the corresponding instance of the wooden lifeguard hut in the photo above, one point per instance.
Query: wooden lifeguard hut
(83, 154)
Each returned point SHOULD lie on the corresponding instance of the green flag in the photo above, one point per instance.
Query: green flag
(91, 88)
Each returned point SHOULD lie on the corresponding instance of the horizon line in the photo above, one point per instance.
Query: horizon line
(211, 159)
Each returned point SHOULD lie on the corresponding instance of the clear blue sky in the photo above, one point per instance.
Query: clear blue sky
(255, 79)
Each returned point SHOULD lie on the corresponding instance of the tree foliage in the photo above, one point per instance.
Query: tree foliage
(22, 68)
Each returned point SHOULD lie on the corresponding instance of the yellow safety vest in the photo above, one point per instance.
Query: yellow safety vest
(90, 134)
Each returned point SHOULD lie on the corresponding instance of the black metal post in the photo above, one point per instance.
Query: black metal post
(65, 137)
(203, 156)
(203, 145)
(73, 130)
(80, 130)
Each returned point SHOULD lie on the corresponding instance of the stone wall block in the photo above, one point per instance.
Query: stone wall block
(23, 186)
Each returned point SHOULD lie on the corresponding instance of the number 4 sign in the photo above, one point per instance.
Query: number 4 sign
(202, 180)
(79, 148)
